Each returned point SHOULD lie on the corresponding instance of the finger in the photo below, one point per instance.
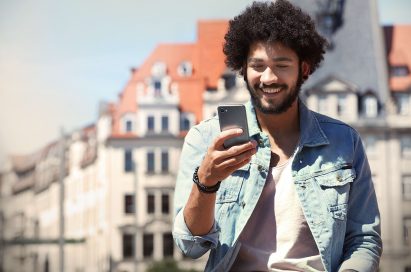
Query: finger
(222, 155)
(235, 167)
(238, 149)
(232, 161)
(225, 135)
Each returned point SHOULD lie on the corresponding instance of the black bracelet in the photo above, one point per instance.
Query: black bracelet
(202, 187)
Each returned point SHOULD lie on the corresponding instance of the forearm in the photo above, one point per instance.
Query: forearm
(199, 212)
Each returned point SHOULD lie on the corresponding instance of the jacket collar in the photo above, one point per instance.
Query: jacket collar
(311, 131)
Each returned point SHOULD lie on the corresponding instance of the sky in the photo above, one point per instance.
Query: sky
(58, 59)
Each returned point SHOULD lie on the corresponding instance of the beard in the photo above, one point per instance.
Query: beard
(275, 107)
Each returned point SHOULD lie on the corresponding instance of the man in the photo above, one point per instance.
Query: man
(298, 196)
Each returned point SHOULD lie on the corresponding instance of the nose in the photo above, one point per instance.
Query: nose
(268, 77)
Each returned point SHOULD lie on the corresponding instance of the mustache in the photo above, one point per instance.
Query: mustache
(272, 86)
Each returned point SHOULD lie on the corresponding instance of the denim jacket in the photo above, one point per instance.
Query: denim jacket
(333, 182)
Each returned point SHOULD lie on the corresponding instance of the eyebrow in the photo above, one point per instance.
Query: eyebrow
(277, 59)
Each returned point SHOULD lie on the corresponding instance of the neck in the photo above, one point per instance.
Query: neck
(280, 125)
(283, 132)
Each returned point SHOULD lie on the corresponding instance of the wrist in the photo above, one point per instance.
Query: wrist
(202, 187)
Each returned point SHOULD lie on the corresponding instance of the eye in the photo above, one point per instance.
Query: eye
(258, 67)
(282, 66)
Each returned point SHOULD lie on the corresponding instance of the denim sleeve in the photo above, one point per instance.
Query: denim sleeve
(363, 244)
(194, 149)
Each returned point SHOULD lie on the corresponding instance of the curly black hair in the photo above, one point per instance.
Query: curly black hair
(277, 21)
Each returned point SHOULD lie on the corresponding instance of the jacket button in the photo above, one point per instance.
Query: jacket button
(260, 142)
(260, 168)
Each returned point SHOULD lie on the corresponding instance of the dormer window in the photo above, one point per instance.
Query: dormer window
(127, 123)
(370, 106)
(159, 70)
(129, 126)
(185, 69)
(157, 88)
(404, 104)
(341, 104)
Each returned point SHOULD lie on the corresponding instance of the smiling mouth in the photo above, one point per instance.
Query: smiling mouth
(271, 90)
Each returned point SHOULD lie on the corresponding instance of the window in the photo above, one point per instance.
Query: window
(128, 245)
(399, 71)
(164, 123)
(150, 203)
(184, 123)
(407, 230)
(341, 104)
(185, 69)
(406, 146)
(164, 161)
(150, 162)
(150, 123)
(168, 245)
(148, 245)
(404, 104)
(165, 203)
(406, 187)
(322, 104)
(129, 126)
(370, 106)
(129, 204)
(128, 161)
(157, 88)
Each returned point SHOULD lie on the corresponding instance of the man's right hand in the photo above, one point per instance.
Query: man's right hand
(219, 162)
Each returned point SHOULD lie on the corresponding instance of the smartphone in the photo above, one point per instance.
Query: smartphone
(233, 116)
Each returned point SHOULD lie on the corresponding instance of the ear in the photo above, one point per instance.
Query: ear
(305, 67)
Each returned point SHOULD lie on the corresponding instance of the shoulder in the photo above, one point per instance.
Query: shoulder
(326, 121)
(336, 128)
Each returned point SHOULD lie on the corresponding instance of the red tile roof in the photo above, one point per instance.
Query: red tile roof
(398, 44)
(207, 60)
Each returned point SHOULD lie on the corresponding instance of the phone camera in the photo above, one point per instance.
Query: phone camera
(223, 110)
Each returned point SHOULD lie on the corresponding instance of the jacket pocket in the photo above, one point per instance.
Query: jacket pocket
(230, 187)
(334, 190)
(337, 178)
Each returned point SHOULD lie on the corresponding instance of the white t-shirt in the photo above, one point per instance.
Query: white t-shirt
(277, 236)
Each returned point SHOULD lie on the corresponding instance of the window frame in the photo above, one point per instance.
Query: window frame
(128, 244)
(150, 162)
(128, 161)
(168, 245)
(129, 208)
(150, 203)
(165, 161)
(149, 246)
(165, 204)
(165, 123)
(151, 123)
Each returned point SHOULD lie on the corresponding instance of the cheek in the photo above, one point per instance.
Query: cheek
(253, 77)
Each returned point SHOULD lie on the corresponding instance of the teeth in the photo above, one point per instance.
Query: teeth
(269, 90)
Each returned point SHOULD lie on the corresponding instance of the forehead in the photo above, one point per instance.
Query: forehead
(271, 50)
